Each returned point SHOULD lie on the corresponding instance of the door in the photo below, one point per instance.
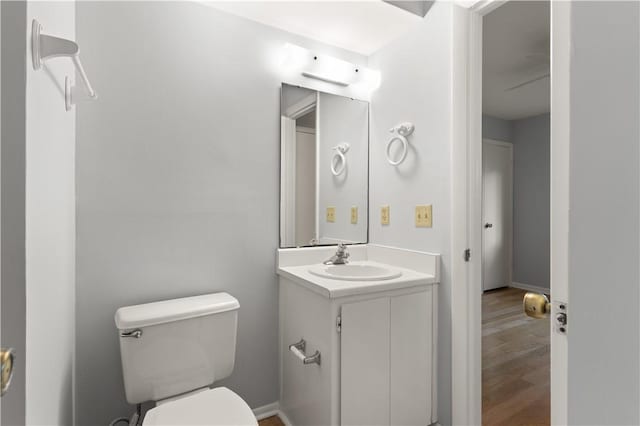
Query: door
(305, 195)
(364, 363)
(497, 211)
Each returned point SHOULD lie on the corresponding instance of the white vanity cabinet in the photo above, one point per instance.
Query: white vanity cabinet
(378, 354)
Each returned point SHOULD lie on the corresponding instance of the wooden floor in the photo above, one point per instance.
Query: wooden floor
(271, 421)
(515, 362)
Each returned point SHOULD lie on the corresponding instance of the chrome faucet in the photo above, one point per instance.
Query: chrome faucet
(340, 258)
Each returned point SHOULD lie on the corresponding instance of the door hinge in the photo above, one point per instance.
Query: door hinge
(339, 324)
(467, 255)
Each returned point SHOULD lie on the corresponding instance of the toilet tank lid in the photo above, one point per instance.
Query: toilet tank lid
(148, 314)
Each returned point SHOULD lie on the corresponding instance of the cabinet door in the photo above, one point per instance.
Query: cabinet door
(411, 359)
(364, 369)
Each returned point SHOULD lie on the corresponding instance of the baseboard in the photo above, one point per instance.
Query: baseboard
(273, 409)
(267, 410)
(284, 418)
(529, 287)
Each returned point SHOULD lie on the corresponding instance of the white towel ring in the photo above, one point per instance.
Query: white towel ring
(405, 149)
(337, 167)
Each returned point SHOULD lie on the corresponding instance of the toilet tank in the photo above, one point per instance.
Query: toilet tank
(176, 346)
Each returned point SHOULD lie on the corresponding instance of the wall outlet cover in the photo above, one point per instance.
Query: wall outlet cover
(424, 217)
(331, 214)
(384, 215)
(354, 215)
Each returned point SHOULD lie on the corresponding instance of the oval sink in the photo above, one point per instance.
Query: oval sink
(351, 272)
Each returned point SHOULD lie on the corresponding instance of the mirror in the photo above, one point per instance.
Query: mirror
(324, 168)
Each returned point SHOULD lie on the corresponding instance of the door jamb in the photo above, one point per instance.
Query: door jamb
(466, 312)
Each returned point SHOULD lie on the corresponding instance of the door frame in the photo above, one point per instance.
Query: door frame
(288, 129)
(509, 201)
(466, 313)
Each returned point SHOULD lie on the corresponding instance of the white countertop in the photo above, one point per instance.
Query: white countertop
(333, 288)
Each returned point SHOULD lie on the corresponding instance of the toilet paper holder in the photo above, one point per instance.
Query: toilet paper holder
(298, 349)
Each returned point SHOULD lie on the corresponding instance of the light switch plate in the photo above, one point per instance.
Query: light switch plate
(331, 214)
(424, 218)
(354, 215)
(384, 215)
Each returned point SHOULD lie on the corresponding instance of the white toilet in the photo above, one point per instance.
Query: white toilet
(173, 350)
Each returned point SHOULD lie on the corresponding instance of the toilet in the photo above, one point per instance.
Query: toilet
(173, 351)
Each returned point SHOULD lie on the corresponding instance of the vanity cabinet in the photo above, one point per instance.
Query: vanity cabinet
(378, 356)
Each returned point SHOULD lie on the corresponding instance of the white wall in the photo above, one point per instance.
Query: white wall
(342, 120)
(178, 181)
(604, 221)
(417, 86)
(50, 227)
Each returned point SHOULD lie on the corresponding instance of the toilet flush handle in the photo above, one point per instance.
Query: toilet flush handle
(137, 333)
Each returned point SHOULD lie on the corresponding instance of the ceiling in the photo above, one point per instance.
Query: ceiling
(359, 26)
(516, 60)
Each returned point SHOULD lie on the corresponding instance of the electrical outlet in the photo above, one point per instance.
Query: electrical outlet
(424, 216)
(384, 215)
(354, 215)
(331, 214)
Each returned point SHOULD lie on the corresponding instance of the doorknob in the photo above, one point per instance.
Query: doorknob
(6, 369)
(536, 305)
(488, 225)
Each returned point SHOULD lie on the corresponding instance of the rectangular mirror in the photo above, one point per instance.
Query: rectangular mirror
(324, 177)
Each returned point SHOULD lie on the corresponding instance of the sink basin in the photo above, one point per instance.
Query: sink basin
(353, 272)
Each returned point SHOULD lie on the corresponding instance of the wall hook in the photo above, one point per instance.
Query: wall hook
(45, 47)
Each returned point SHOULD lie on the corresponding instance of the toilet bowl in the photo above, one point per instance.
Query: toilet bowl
(212, 407)
(173, 350)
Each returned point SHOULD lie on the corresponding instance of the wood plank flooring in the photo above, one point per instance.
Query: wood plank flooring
(271, 421)
(515, 362)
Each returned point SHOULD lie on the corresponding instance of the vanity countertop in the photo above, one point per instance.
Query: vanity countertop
(335, 288)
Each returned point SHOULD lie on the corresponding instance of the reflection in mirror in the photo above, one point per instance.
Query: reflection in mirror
(324, 168)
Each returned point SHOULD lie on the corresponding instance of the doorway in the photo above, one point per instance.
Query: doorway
(515, 212)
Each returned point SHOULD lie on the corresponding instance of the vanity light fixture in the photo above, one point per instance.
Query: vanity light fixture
(326, 68)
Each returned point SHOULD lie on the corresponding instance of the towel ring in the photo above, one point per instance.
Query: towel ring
(401, 131)
(405, 149)
(341, 159)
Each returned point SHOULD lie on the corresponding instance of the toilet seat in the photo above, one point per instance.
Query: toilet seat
(213, 407)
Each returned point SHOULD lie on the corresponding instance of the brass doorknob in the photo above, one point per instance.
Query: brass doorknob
(7, 358)
(536, 305)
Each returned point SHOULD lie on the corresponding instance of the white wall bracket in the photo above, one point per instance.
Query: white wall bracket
(45, 47)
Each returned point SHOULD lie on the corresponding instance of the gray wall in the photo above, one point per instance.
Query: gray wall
(418, 90)
(14, 40)
(604, 224)
(343, 120)
(531, 200)
(497, 128)
(50, 227)
(531, 193)
(177, 181)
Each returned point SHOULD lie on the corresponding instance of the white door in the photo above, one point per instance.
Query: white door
(305, 186)
(497, 210)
